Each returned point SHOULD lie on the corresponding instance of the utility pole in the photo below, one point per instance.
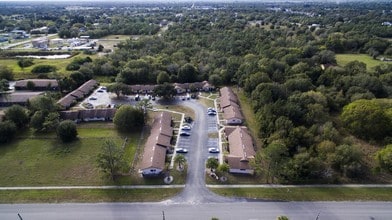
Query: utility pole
(163, 215)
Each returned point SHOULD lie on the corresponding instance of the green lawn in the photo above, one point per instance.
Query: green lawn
(343, 59)
(84, 195)
(41, 159)
(250, 118)
(310, 194)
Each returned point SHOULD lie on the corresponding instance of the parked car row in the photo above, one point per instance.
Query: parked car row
(185, 130)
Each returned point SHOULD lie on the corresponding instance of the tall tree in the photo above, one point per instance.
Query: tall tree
(111, 160)
(275, 155)
(165, 90)
(384, 158)
(67, 131)
(18, 115)
(7, 131)
(367, 119)
(187, 74)
(128, 118)
(118, 89)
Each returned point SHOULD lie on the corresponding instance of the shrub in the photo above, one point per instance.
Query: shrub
(43, 69)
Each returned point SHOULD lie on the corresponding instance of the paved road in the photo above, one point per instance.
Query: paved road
(223, 211)
(195, 191)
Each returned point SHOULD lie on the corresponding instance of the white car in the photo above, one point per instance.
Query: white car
(181, 150)
(186, 128)
(213, 150)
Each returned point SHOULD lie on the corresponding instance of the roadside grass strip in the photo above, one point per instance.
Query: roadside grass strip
(87, 195)
(309, 193)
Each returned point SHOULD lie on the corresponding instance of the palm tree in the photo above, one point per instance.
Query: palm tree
(180, 159)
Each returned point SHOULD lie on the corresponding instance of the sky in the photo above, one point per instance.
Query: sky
(130, 1)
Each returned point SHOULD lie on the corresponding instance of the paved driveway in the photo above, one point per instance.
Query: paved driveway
(195, 191)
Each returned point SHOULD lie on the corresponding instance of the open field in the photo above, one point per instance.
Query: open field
(87, 195)
(310, 193)
(109, 42)
(41, 159)
(20, 73)
(343, 59)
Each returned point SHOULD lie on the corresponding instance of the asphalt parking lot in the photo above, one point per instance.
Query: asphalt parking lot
(212, 125)
(100, 97)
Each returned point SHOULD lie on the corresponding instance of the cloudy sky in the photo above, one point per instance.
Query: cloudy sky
(51, 1)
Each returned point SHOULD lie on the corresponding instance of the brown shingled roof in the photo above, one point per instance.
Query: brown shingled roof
(42, 83)
(232, 112)
(66, 101)
(77, 94)
(241, 143)
(87, 86)
(154, 155)
(237, 163)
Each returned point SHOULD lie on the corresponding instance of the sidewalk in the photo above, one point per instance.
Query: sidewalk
(208, 186)
(90, 187)
(304, 186)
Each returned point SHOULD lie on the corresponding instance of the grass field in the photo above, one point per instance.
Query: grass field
(343, 59)
(41, 159)
(92, 195)
(25, 73)
(109, 42)
(310, 194)
(250, 118)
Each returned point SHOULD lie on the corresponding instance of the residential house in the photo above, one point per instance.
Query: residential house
(17, 98)
(233, 115)
(100, 114)
(37, 84)
(72, 97)
(87, 87)
(67, 101)
(229, 104)
(40, 43)
(190, 87)
(157, 144)
(241, 150)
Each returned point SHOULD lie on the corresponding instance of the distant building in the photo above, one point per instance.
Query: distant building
(79, 93)
(37, 84)
(57, 42)
(40, 43)
(41, 30)
(100, 114)
(19, 34)
(17, 98)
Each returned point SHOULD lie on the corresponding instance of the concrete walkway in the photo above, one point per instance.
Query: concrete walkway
(90, 187)
(208, 186)
(304, 186)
